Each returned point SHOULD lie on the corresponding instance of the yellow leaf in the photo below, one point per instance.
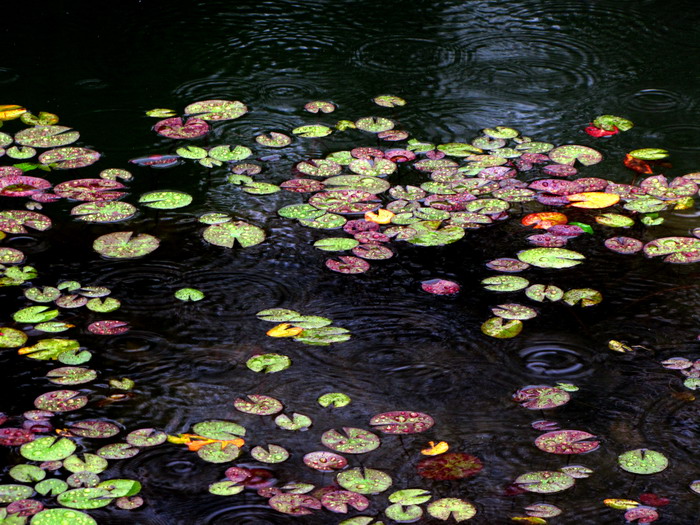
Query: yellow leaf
(381, 216)
(530, 520)
(622, 504)
(617, 346)
(284, 330)
(11, 111)
(593, 199)
(435, 448)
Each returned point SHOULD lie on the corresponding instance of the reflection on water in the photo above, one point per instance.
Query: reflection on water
(545, 67)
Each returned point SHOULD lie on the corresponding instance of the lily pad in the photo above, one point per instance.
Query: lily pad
(340, 500)
(85, 498)
(348, 264)
(514, 311)
(125, 245)
(455, 508)
(498, 328)
(271, 454)
(258, 404)
(649, 153)
(551, 257)
(544, 482)
(219, 429)
(49, 448)
(312, 131)
(566, 442)
(217, 109)
(571, 153)
(69, 158)
(351, 441)
(541, 397)
(402, 422)
(11, 492)
(104, 211)
(582, 296)
(364, 480)
(11, 337)
(505, 283)
(676, 249)
(175, 128)
(46, 136)
(61, 517)
(273, 140)
(16, 221)
(325, 461)
(61, 401)
(118, 451)
(450, 466)
(268, 363)
(165, 199)
(323, 336)
(643, 461)
(374, 124)
(294, 504)
(71, 375)
(146, 437)
(93, 429)
(226, 234)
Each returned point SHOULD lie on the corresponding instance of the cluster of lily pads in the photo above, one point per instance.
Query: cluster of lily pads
(460, 186)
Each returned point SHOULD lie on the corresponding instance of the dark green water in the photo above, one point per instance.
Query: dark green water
(544, 67)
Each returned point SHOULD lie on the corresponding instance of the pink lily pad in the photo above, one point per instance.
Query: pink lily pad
(61, 401)
(13, 437)
(625, 245)
(174, 128)
(440, 287)
(90, 190)
(541, 397)
(108, 327)
(69, 158)
(325, 461)
(402, 422)
(340, 500)
(22, 185)
(676, 249)
(566, 442)
(10, 255)
(294, 504)
(347, 264)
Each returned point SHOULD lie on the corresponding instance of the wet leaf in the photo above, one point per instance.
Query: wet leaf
(46, 136)
(455, 508)
(340, 500)
(642, 461)
(93, 429)
(541, 397)
(189, 294)
(104, 211)
(551, 257)
(545, 482)
(60, 401)
(676, 249)
(48, 449)
(403, 513)
(450, 466)
(108, 327)
(61, 517)
(294, 504)
(389, 101)
(118, 451)
(649, 154)
(125, 245)
(593, 199)
(258, 404)
(611, 122)
(319, 106)
(225, 488)
(69, 158)
(269, 363)
(220, 429)
(364, 480)
(165, 200)
(11, 337)
(496, 327)
(514, 311)
(273, 140)
(218, 452)
(582, 296)
(175, 128)
(566, 442)
(571, 153)
(146, 437)
(440, 287)
(505, 283)
(335, 399)
(226, 234)
(351, 441)
(402, 422)
(312, 131)
(273, 454)
(71, 375)
(161, 113)
(543, 510)
(615, 220)
(374, 124)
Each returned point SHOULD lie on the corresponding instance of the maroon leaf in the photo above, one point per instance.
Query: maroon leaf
(90, 190)
(12, 437)
(566, 442)
(440, 287)
(347, 264)
(22, 185)
(108, 327)
(402, 422)
(174, 128)
(453, 465)
(626, 245)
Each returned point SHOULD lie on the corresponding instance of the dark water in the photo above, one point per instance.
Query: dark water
(544, 67)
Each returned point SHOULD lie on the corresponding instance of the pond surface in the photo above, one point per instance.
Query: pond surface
(546, 68)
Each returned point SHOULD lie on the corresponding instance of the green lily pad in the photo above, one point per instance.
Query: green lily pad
(121, 488)
(146, 437)
(429, 233)
(189, 294)
(403, 513)
(273, 140)
(10, 493)
(323, 336)
(34, 314)
(53, 326)
(118, 451)
(62, 517)
(642, 461)
(336, 399)
(389, 101)
(300, 211)
(46, 136)
(218, 453)
(610, 122)
(49, 448)
(219, 429)
(312, 131)
(125, 245)
(268, 363)
(10, 255)
(296, 422)
(11, 337)
(27, 473)
(675, 249)
(85, 498)
(410, 496)
(500, 329)
(583, 296)
(571, 153)
(165, 199)
(649, 153)
(545, 482)
(364, 480)
(551, 257)
(271, 454)
(505, 283)
(106, 305)
(351, 440)
(258, 404)
(261, 188)
(336, 244)
(71, 375)
(374, 124)
(514, 311)
(540, 292)
(217, 109)
(51, 487)
(227, 233)
(88, 463)
(61, 401)
(278, 315)
(226, 488)
(455, 508)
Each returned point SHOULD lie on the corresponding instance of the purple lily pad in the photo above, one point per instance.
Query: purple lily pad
(108, 327)
(402, 422)
(566, 442)
(25, 507)
(90, 190)
(546, 240)
(450, 466)
(625, 245)
(541, 397)
(69, 158)
(559, 170)
(174, 128)
(22, 185)
(556, 186)
(440, 287)
(61, 401)
(158, 161)
(505, 264)
(351, 441)
(347, 264)
(294, 504)
(340, 500)
(325, 461)
(356, 226)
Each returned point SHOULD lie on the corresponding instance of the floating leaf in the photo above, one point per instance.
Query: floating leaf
(10, 493)
(118, 451)
(446, 508)
(450, 466)
(505, 283)
(353, 441)
(165, 200)
(27, 473)
(312, 131)
(541, 397)
(642, 515)
(323, 336)
(551, 257)
(11, 337)
(146, 437)
(584, 296)
(258, 404)
(69, 158)
(364, 480)
(101, 211)
(124, 245)
(624, 245)
(642, 461)
(571, 153)
(496, 327)
(220, 429)
(615, 220)
(93, 429)
(269, 363)
(284, 330)
(175, 128)
(403, 513)
(71, 375)
(226, 234)
(389, 101)
(374, 124)
(226, 488)
(85, 498)
(49, 348)
(545, 482)
(514, 311)
(319, 106)
(566, 442)
(46, 136)
(50, 448)
(294, 504)
(61, 517)
(336, 399)
(61, 401)
(10, 255)
(649, 154)
(612, 122)
(189, 294)
(440, 287)
(88, 463)
(273, 454)
(273, 140)
(11, 111)
(593, 199)
(217, 109)
(676, 249)
(336, 244)
(348, 264)
(402, 422)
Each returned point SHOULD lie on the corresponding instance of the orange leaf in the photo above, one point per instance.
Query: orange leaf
(381, 216)
(284, 330)
(637, 165)
(544, 219)
(435, 448)
(11, 111)
(593, 199)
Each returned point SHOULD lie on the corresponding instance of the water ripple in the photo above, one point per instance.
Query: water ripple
(407, 55)
(656, 100)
